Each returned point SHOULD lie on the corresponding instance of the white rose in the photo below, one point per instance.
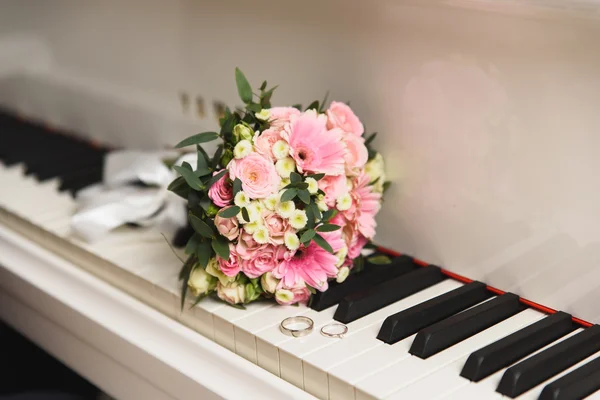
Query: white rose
(233, 292)
(284, 296)
(269, 282)
(200, 282)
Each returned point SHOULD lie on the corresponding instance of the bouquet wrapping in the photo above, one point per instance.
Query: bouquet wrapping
(286, 203)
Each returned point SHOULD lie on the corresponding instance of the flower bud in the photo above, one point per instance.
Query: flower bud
(263, 115)
(284, 296)
(251, 293)
(269, 282)
(232, 292)
(226, 157)
(342, 274)
(242, 132)
(200, 282)
(212, 210)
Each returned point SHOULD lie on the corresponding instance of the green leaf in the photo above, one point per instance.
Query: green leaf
(307, 236)
(263, 86)
(310, 217)
(304, 196)
(370, 139)
(200, 226)
(220, 245)
(359, 264)
(295, 177)
(238, 306)
(288, 195)
(184, 275)
(202, 162)
(217, 157)
(190, 177)
(245, 214)
(237, 186)
(379, 259)
(301, 185)
(229, 212)
(204, 253)
(243, 87)
(386, 186)
(215, 178)
(323, 102)
(180, 187)
(316, 177)
(318, 239)
(313, 106)
(192, 244)
(253, 107)
(328, 228)
(171, 247)
(197, 139)
(311, 289)
(327, 215)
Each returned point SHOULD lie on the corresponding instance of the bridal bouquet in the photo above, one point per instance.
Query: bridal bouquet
(286, 203)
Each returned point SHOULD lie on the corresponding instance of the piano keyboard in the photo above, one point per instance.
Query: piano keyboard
(413, 331)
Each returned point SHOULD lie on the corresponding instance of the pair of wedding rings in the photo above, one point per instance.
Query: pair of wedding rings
(302, 326)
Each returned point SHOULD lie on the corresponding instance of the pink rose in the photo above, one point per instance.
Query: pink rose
(281, 116)
(341, 116)
(334, 186)
(277, 227)
(356, 155)
(263, 143)
(258, 175)
(247, 247)
(301, 294)
(232, 266)
(221, 192)
(263, 261)
(227, 227)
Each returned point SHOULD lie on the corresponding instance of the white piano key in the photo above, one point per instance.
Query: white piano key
(488, 385)
(362, 335)
(225, 318)
(411, 369)
(535, 392)
(268, 340)
(246, 328)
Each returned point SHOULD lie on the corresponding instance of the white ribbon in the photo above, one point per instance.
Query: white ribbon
(116, 201)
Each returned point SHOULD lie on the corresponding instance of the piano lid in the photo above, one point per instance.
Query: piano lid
(487, 110)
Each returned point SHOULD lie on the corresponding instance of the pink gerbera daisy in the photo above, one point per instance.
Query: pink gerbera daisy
(311, 265)
(367, 203)
(313, 146)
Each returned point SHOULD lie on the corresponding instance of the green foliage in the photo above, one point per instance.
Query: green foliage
(243, 87)
(200, 226)
(379, 259)
(204, 253)
(190, 177)
(230, 212)
(245, 214)
(307, 236)
(197, 139)
(184, 276)
(288, 195)
(319, 240)
(237, 186)
(328, 228)
(303, 195)
(220, 245)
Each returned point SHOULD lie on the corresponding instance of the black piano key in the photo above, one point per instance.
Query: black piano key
(81, 179)
(576, 385)
(531, 372)
(512, 348)
(459, 327)
(371, 276)
(61, 168)
(358, 305)
(408, 322)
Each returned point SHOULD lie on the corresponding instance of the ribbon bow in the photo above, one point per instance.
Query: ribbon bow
(118, 200)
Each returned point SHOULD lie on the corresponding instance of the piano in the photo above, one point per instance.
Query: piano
(488, 117)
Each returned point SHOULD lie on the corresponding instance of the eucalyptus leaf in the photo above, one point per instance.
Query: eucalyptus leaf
(323, 102)
(297, 107)
(200, 226)
(220, 245)
(245, 214)
(328, 228)
(191, 179)
(204, 253)
(237, 186)
(316, 177)
(192, 244)
(310, 217)
(301, 185)
(217, 157)
(379, 259)
(180, 187)
(319, 240)
(386, 186)
(243, 87)
(253, 107)
(197, 139)
(185, 273)
(313, 106)
(229, 212)
(295, 177)
(288, 195)
(327, 215)
(370, 139)
(263, 86)
(304, 196)
(307, 236)
(202, 163)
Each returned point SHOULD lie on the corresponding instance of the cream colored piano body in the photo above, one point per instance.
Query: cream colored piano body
(487, 112)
